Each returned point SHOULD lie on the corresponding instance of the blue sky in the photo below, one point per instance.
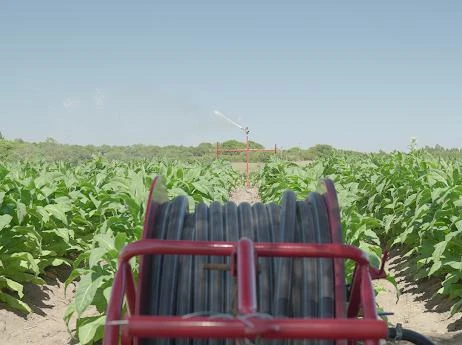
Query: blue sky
(364, 75)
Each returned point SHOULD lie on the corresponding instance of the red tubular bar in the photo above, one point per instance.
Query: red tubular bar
(182, 247)
(367, 293)
(246, 277)
(111, 331)
(204, 327)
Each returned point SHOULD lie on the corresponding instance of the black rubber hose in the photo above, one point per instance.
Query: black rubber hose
(201, 275)
(326, 271)
(231, 234)
(153, 295)
(170, 272)
(244, 212)
(216, 233)
(309, 279)
(284, 266)
(216, 276)
(261, 224)
(410, 336)
(185, 294)
(307, 306)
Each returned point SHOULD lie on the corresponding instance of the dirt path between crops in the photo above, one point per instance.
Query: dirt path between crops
(416, 309)
(243, 194)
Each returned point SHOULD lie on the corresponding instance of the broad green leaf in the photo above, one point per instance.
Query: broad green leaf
(90, 329)
(20, 211)
(14, 303)
(5, 220)
(95, 256)
(57, 211)
(11, 285)
(105, 241)
(107, 293)
(86, 291)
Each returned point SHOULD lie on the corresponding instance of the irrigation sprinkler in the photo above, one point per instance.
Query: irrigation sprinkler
(246, 150)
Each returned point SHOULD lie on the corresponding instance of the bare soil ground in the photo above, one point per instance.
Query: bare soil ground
(45, 326)
(249, 195)
(419, 308)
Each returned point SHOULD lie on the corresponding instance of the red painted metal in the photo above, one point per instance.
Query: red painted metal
(246, 150)
(253, 327)
(380, 273)
(355, 295)
(286, 249)
(288, 328)
(111, 329)
(335, 227)
(247, 158)
(246, 277)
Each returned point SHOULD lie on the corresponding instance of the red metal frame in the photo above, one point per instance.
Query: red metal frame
(355, 320)
(248, 324)
(246, 150)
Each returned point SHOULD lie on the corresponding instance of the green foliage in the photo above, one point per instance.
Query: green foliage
(412, 200)
(54, 214)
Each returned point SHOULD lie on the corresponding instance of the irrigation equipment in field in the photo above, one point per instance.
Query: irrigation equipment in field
(246, 274)
(246, 150)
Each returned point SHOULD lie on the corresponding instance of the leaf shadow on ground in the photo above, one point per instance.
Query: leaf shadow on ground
(37, 296)
(424, 290)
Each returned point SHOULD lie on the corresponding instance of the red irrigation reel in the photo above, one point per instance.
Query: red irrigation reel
(246, 273)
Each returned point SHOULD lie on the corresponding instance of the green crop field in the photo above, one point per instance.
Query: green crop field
(54, 214)
(81, 215)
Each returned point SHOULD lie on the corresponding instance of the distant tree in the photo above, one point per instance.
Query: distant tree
(321, 150)
(1, 136)
(5, 149)
(50, 140)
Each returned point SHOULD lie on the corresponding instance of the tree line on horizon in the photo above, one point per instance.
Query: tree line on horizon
(51, 150)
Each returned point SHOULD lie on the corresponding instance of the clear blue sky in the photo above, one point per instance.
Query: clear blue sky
(363, 75)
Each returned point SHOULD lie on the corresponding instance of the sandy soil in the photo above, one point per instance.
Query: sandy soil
(45, 326)
(249, 195)
(418, 308)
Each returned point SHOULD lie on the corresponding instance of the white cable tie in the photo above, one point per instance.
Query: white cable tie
(117, 323)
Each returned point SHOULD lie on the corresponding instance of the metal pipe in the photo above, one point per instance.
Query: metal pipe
(252, 327)
(247, 157)
(300, 250)
(246, 277)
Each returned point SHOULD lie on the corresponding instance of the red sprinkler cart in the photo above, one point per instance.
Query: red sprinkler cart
(246, 273)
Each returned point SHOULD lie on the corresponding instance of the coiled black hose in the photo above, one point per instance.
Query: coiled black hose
(287, 287)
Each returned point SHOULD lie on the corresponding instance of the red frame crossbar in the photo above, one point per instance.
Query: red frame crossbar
(248, 324)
